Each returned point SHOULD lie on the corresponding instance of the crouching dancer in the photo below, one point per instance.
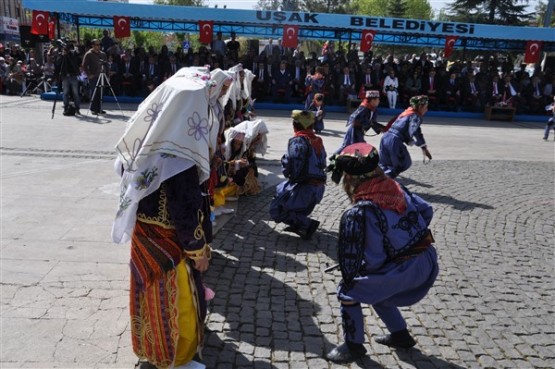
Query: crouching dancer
(303, 167)
(385, 251)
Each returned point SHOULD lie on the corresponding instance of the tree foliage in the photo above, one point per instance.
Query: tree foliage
(415, 9)
(503, 12)
(540, 14)
(397, 8)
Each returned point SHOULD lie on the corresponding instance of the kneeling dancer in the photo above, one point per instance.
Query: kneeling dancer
(385, 251)
(303, 167)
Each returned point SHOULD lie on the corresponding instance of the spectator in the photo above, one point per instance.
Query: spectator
(106, 42)
(282, 82)
(390, 87)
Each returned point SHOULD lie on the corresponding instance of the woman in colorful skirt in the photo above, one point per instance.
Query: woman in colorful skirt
(164, 210)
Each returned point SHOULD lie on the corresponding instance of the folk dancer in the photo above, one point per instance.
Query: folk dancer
(394, 156)
(303, 167)
(385, 252)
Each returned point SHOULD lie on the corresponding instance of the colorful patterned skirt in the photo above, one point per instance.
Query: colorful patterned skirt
(167, 304)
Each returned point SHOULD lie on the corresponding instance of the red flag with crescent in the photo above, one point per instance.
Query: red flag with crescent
(122, 26)
(533, 51)
(449, 46)
(206, 29)
(52, 28)
(366, 40)
(290, 36)
(39, 26)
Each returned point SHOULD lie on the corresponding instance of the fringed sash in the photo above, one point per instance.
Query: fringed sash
(154, 252)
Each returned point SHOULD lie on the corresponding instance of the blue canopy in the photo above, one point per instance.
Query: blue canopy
(321, 26)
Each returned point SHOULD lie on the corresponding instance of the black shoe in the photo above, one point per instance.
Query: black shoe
(94, 112)
(77, 112)
(291, 228)
(102, 112)
(400, 339)
(346, 353)
(311, 229)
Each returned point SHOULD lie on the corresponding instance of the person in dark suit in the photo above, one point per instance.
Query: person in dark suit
(282, 82)
(346, 82)
(152, 74)
(430, 88)
(298, 72)
(171, 67)
(494, 92)
(127, 76)
(261, 81)
(452, 92)
(472, 94)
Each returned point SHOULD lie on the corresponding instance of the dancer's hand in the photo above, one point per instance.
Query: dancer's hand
(201, 264)
(427, 153)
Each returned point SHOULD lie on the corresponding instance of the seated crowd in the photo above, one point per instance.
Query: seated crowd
(288, 75)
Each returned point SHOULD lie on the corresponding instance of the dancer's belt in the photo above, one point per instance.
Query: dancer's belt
(416, 249)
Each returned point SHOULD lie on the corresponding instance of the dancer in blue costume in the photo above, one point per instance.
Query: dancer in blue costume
(361, 120)
(315, 84)
(385, 252)
(303, 165)
(317, 108)
(394, 156)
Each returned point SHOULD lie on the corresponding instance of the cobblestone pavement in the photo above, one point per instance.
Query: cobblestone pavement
(64, 284)
(491, 307)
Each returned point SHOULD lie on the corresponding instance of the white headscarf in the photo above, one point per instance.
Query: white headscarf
(217, 102)
(250, 129)
(170, 132)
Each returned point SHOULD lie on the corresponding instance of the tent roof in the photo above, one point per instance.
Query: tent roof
(252, 23)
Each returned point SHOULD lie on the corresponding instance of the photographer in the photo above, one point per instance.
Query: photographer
(93, 61)
(67, 67)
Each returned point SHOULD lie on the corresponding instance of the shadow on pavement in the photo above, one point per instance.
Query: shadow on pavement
(416, 358)
(456, 204)
(254, 307)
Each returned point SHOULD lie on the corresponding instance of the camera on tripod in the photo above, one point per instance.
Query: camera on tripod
(64, 44)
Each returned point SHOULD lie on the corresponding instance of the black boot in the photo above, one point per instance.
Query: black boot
(399, 339)
(346, 353)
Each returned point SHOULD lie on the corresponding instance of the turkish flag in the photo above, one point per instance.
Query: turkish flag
(122, 26)
(366, 40)
(206, 29)
(290, 36)
(52, 28)
(40, 23)
(449, 46)
(533, 51)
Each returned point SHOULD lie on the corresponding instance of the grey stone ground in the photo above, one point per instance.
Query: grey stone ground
(64, 284)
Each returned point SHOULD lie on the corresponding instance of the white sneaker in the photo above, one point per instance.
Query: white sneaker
(191, 365)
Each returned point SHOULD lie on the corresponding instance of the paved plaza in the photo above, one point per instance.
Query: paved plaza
(64, 284)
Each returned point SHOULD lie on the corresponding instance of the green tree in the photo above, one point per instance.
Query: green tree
(540, 14)
(268, 5)
(397, 8)
(415, 9)
(327, 6)
(504, 12)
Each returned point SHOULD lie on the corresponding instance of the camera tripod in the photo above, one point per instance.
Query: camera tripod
(46, 86)
(103, 82)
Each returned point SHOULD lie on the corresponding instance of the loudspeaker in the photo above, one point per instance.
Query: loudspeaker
(28, 40)
(253, 45)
